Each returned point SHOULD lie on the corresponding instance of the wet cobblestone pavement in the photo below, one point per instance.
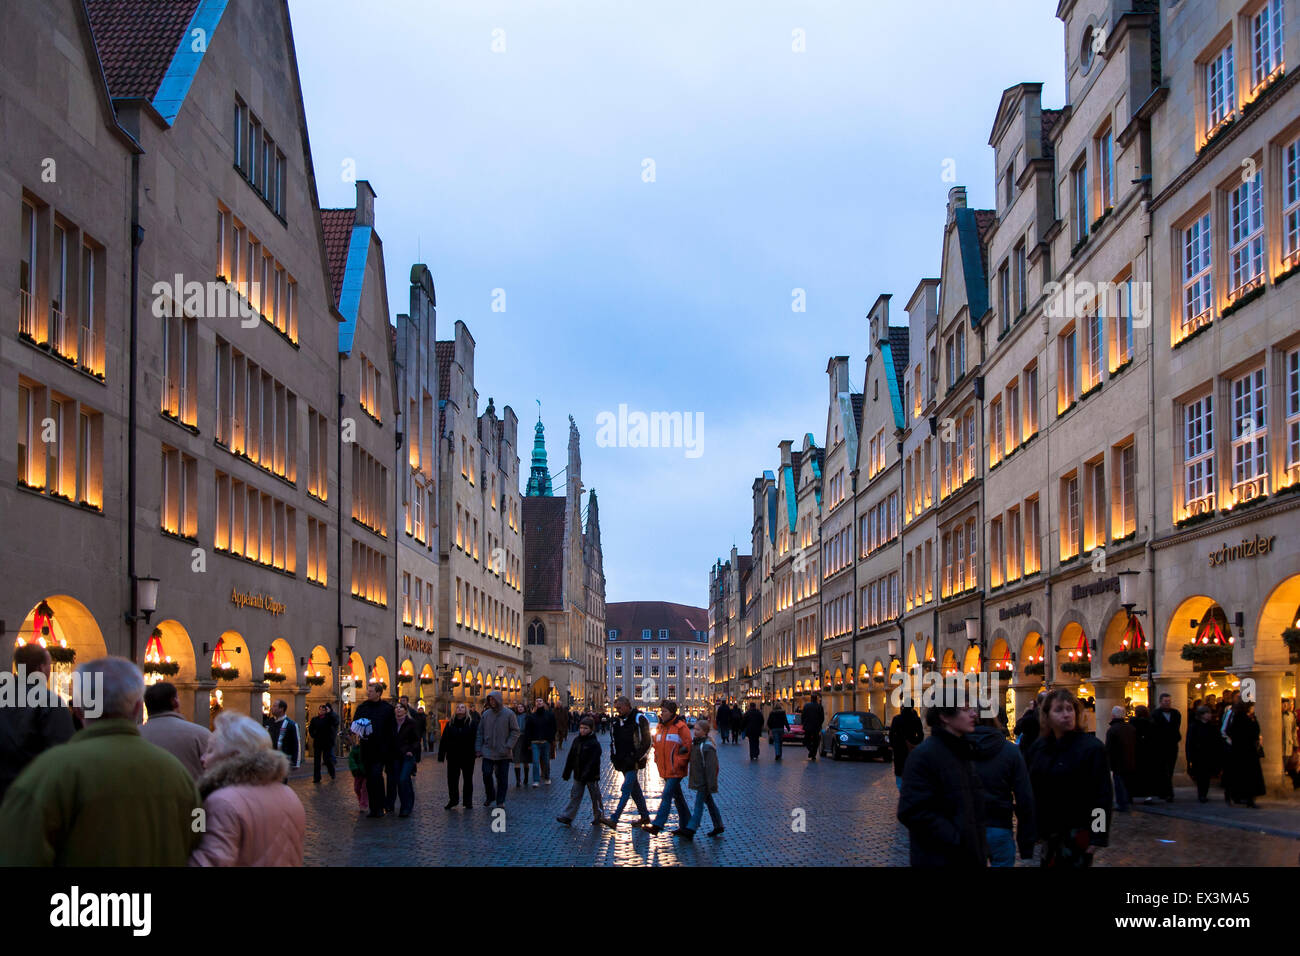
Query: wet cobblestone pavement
(848, 815)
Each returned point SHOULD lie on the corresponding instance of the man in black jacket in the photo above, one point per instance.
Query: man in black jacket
(1168, 734)
(1121, 751)
(752, 724)
(811, 718)
(456, 747)
(941, 801)
(539, 732)
(905, 734)
(379, 750)
(630, 740)
(1005, 778)
(776, 725)
(722, 719)
(27, 732)
(323, 729)
(284, 734)
(1027, 727)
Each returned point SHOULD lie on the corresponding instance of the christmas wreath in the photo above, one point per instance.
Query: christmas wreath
(1207, 654)
(161, 668)
(224, 672)
(426, 681)
(273, 677)
(405, 678)
(1034, 669)
(315, 680)
(60, 654)
(1079, 668)
(1132, 657)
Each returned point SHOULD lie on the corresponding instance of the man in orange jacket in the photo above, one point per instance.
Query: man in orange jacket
(672, 746)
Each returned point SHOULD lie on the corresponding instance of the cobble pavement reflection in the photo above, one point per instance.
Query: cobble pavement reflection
(793, 812)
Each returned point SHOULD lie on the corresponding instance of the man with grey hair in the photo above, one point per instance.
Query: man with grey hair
(26, 732)
(108, 797)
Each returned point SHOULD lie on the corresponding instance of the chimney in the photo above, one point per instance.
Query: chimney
(956, 200)
(786, 458)
(837, 370)
(365, 204)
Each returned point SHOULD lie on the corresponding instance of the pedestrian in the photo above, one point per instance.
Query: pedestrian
(753, 728)
(561, 725)
(583, 765)
(1121, 753)
(906, 733)
(812, 718)
(27, 732)
(629, 743)
(941, 801)
(1071, 781)
(456, 747)
(378, 750)
(723, 718)
(1027, 727)
(1205, 751)
(418, 716)
(250, 817)
(1144, 781)
(736, 717)
(672, 758)
(408, 756)
(521, 756)
(1290, 743)
(1005, 779)
(1245, 773)
(776, 724)
(107, 797)
(357, 767)
(539, 732)
(167, 729)
(284, 735)
(703, 779)
(431, 728)
(494, 741)
(323, 730)
(1168, 725)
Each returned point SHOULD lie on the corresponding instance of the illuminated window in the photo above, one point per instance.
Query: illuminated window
(1246, 235)
(1198, 454)
(1220, 89)
(1266, 46)
(1249, 431)
(1293, 408)
(1291, 204)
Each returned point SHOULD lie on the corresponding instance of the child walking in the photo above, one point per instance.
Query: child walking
(358, 775)
(583, 764)
(703, 779)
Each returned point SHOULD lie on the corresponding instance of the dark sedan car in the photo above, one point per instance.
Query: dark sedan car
(855, 732)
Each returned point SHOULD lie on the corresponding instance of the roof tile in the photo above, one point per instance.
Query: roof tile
(137, 40)
(337, 226)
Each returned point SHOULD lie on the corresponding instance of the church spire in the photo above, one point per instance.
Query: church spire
(539, 479)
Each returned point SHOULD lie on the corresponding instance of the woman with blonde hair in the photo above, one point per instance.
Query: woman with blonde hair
(250, 817)
(1070, 775)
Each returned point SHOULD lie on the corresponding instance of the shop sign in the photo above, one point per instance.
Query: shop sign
(263, 601)
(417, 644)
(956, 626)
(1015, 610)
(1080, 591)
(1249, 548)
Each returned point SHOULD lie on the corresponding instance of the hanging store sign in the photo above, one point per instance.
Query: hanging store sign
(1249, 548)
(263, 601)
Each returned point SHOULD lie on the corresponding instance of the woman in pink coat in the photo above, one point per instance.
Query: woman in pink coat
(251, 818)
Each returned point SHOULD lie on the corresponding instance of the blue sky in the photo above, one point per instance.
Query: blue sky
(522, 170)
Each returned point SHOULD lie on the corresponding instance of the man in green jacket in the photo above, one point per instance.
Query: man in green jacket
(107, 797)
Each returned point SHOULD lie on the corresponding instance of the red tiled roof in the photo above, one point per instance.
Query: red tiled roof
(337, 226)
(630, 618)
(544, 520)
(136, 40)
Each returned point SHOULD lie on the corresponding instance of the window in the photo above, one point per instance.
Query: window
(1118, 309)
(317, 553)
(1220, 89)
(318, 454)
(1068, 372)
(1196, 273)
(89, 346)
(997, 437)
(1004, 298)
(1069, 516)
(1249, 434)
(1106, 168)
(1033, 554)
(1015, 545)
(1292, 367)
(995, 553)
(1022, 286)
(1124, 498)
(1079, 192)
(406, 598)
(27, 265)
(179, 345)
(1013, 417)
(1291, 204)
(1091, 358)
(1266, 47)
(1198, 455)
(27, 438)
(179, 511)
(663, 633)
(1094, 531)
(1245, 236)
(536, 633)
(59, 333)
(1031, 400)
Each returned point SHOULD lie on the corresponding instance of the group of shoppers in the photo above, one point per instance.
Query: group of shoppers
(93, 787)
(732, 723)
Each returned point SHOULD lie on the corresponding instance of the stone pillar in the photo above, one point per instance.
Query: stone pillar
(200, 699)
(1268, 711)
(1110, 693)
(186, 696)
(254, 707)
(1175, 685)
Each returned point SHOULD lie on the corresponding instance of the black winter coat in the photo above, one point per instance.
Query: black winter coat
(776, 719)
(1027, 730)
(905, 734)
(408, 739)
(1147, 759)
(811, 718)
(457, 741)
(1071, 779)
(1002, 771)
(1121, 747)
(753, 724)
(1205, 749)
(323, 730)
(1168, 732)
(630, 739)
(381, 745)
(583, 762)
(723, 717)
(1245, 775)
(941, 802)
(539, 725)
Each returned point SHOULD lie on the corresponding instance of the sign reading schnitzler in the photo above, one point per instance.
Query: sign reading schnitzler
(1249, 548)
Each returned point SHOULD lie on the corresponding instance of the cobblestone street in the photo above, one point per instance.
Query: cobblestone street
(848, 813)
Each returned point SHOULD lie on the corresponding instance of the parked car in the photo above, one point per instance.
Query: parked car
(855, 732)
(793, 733)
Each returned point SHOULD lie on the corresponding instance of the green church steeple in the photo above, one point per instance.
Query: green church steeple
(539, 479)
